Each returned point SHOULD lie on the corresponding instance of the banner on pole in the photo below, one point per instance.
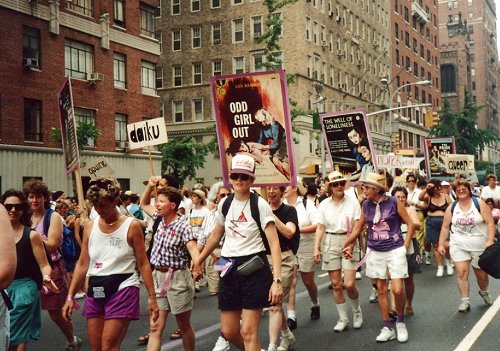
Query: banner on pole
(147, 133)
(67, 123)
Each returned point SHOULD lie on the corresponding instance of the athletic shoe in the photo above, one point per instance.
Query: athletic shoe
(427, 259)
(449, 267)
(287, 343)
(79, 295)
(272, 348)
(386, 334)
(341, 325)
(357, 318)
(486, 297)
(197, 287)
(464, 307)
(292, 323)
(402, 332)
(75, 345)
(440, 271)
(373, 295)
(358, 276)
(315, 313)
(221, 344)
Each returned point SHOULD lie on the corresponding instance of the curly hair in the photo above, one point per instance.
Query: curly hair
(26, 216)
(103, 188)
(37, 187)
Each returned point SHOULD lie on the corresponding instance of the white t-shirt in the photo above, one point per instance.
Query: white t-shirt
(469, 232)
(196, 217)
(413, 197)
(242, 235)
(334, 216)
(493, 193)
(307, 216)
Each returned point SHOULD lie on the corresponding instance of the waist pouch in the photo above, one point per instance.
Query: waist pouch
(101, 287)
(251, 266)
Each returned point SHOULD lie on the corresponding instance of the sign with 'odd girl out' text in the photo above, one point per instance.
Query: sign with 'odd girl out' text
(147, 133)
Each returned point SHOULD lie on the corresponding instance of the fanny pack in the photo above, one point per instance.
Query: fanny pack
(251, 266)
(101, 287)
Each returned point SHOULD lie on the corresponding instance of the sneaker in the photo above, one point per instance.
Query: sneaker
(272, 348)
(292, 323)
(287, 343)
(197, 287)
(79, 295)
(402, 332)
(341, 325)
(427, 259)
(464, 307)
(75, 345)
(373, 295)
(440, 271)
(358, 276)
(221, 344)
(449, 269)
(357, 318)
(315, 313)
(486, 297)
(386, 334)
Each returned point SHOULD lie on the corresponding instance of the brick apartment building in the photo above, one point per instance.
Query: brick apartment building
(415, 69)
(338, 51)
(109, 50)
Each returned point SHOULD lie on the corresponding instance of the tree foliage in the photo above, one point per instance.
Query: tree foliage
(84, 133)
(463, 126)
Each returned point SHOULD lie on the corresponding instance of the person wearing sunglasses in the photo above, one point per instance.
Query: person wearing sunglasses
(32, 273)
(38, 195)
(386, 252)
(413, 201)
(244, 293)
(112, 252)
(337, 216)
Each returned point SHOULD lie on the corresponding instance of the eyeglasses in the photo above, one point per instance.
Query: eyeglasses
(411, 181)
(16, 207)
(236, 176)
(336, 184)
(459, 190)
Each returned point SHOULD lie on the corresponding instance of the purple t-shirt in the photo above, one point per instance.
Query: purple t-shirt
(386, 234)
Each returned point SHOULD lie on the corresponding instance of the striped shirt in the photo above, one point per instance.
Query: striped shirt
(169, 247)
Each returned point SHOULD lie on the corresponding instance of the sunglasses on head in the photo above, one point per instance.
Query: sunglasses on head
(336, 184)
(16, 207)
(236, 176)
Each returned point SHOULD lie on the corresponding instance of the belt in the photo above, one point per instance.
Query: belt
(332, 233)
(165, 269)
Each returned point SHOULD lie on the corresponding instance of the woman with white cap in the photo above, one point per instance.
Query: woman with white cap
(338, 214)
(198, 212)
(386, 251)
(308, 218)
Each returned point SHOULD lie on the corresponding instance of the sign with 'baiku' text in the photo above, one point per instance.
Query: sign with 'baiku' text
(147, 133)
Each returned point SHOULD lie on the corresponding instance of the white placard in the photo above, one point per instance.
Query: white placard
(147, 133)
(458, 163)
(101, 168)
(396, 161)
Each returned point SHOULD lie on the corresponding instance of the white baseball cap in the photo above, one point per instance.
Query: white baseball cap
(243, 164)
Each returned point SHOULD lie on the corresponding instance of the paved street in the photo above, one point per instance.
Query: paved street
(435, 326)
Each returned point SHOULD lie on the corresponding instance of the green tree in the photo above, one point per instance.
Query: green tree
(463, 126)
(84, 133)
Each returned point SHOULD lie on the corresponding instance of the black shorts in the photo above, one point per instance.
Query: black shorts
(238, 292)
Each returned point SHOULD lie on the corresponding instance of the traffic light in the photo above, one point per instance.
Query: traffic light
(395, 139)
(435, 119)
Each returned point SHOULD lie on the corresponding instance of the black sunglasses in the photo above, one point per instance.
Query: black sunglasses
(16, 207)
(235, 176)
(222, 195)
(411, 181)
(336, 184)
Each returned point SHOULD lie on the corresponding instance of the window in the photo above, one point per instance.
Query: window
(238, 64)
(119, 70)
(119, 13)
(148, 79)
(278, 62)
(279, 16)
(78, 59)
(215, 4)
(257, 26)
(32, 120)
(197, 70)
(197, 109)
(120, 129)
(196, 34)
(159, 77)
(237, 2)
(448, 79)
(397, 58)
(31, 47)
(308, 28)
(177, 76)
(159, 37)
(177, 111)
(195, 5)
(83, 7)
(257, 60)
(176, 7)
(147, 21)
(238, 31)
(176, 40)
(85, 115)
(216, 33)
(217, 68)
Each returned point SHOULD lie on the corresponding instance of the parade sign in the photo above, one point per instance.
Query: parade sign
(434, 150)
(397, 161)
(147, 133)
(349, 142)
(101, 168)
(252, 117)
(458, 164)
(67, 122)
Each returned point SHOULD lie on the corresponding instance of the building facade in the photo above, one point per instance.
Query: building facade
(109, 50)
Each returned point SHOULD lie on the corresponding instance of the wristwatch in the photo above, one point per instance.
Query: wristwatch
(277, 280)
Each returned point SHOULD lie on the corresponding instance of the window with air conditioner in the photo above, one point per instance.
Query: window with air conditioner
(78, 59)
(31, 47)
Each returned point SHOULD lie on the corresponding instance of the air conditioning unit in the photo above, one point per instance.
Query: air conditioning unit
(340, 53)
(30, 62)
(217, 41)
(121, 145)
(330, 14)
(375, 43)
(95, 77)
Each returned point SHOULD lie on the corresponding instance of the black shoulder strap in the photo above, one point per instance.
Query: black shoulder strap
(304, 201)
(227, 204)
(254, 209)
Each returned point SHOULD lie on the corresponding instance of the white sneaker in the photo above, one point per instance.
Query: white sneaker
(358, 276)
(221, 345)
(75, 345)
(386, 334)
(287, 343)
(341, 325)
(486, 297)
(449, 269)
(427, 259)
(464, 307)
(373, 295)
(440, 271)
(402, 332)
(272, 348)
(357, 318)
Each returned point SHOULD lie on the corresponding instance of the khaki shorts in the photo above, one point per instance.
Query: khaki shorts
(305, 259)
(333, 259)
(180, 294)
(379, 263)
(287, 264)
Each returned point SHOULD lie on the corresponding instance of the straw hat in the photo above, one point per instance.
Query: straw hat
(201, 195)
(377, 180)
(336, 177)
(301, 189)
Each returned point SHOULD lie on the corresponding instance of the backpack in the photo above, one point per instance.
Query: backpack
(474, 200)
(68, 245)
